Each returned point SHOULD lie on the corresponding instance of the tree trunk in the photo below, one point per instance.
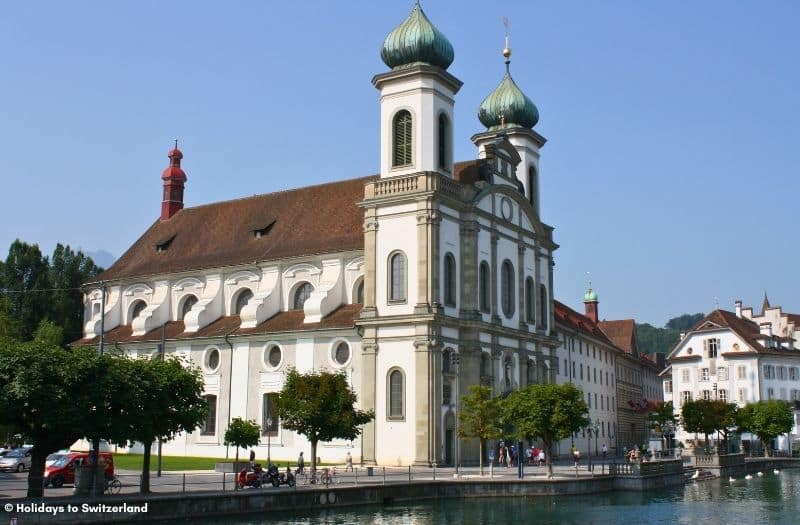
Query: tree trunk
(480, 458)
(314, 456)
(144, 485)
(548, 447)
(97, 481)
(36, 474)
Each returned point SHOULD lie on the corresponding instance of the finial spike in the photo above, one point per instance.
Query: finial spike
(506, 49)
(176, 143)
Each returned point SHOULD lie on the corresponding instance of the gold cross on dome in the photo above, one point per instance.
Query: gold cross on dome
(502, 120)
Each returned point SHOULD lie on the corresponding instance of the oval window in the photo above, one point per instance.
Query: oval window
(342, 353)
(274, 356)
(212, 359)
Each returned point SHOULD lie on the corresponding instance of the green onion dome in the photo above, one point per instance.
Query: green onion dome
(507, 106)
(416, 41)
(590, 296)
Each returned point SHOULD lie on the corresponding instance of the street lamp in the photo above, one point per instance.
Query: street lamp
(589, 430)
(269, 434)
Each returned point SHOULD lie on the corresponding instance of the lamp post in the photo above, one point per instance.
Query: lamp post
(269, 434)
(596, 427)
(589, 430)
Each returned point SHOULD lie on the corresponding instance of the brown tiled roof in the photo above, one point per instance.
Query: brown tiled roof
(291, 321)
(744, 328)
(304, 221)
(622, 333)
(566, 315)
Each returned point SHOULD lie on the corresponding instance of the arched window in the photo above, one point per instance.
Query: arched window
(269, 419)
(485, 365)
(447, 358)
(137, 308)
(396, 395)
(397, 277)
(449, 280)
(542, 305)
(188, 303)
(531, 375)
(360, 292)
(444, 142)
(210, 424)
(241, 301)
(532, 186)
(401, 139)
(301, 295)
(484, 290)
(529, 300)
(507, 288)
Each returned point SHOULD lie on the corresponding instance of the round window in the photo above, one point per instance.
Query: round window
(273, 356)
(212, 359)
(342, 353)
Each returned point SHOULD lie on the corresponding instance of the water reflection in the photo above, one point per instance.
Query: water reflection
(768, 499)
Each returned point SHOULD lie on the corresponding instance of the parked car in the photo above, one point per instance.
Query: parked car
(62, 470)
(16, 460)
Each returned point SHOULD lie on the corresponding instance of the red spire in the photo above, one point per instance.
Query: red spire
(174, 179)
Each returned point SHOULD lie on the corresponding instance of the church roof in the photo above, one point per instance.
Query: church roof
(303, 221)
(290, 321)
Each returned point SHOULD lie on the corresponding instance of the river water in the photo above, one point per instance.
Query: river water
(773, 498)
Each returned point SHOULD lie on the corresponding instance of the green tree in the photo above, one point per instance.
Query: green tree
(9, 325)
(479, 417)
(321, 406)
(766, 419)
(68, 270)
(169, 400)
(48, 333)
(42, 397)
(547, 412)
(684, 323)
(698, 417)
(242, 434)
(26, 280)
(724, 418)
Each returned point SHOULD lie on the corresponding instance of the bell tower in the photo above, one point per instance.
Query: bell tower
(174, 179)
(417, 98)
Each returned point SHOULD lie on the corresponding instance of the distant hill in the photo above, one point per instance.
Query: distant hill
(101, 258)
(652, 339)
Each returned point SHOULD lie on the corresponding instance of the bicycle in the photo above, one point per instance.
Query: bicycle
(112, 485)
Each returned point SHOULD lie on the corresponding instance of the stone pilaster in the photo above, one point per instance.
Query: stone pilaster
(521, 286)
(469, 271)
(494, 270)
(427, 409)
(537, 280)
(367, 396)
(370, 263)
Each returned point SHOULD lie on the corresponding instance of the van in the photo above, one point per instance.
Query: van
(61, 469)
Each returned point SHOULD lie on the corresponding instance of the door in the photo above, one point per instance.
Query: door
(449, 436)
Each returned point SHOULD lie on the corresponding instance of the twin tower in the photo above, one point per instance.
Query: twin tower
(417, 98)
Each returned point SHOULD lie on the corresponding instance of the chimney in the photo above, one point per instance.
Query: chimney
(738, 304)
(174, 179)
(766, 329)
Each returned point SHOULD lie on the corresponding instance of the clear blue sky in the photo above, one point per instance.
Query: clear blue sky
(670, 172)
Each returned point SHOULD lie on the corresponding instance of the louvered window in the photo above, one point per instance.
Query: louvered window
(444, 153)
(402, 138)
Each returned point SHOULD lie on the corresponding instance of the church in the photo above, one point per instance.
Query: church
(416, 283)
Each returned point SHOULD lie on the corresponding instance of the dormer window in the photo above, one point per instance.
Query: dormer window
(241, 300)
(301, 295)
(163, 245)
(137, 308)
(262, 231)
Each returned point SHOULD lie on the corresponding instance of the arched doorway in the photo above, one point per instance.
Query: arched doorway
(449, 439)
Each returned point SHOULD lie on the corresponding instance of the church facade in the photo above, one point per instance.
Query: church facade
(417, 283)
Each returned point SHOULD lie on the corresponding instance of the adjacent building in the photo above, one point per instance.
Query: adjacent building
(738, 357)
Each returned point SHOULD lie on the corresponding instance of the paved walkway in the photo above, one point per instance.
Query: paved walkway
(13, 485)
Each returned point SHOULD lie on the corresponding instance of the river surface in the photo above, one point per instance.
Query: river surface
(768, 499)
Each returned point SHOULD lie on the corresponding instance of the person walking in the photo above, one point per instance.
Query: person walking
(348, 462)
(301, 464)
(541, 458)
(252, 459)
(605, 451)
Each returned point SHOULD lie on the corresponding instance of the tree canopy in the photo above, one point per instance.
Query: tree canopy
(652, 339)
(242, 433)
(321, 406)
(548, 412)
(479, 417)
(766, 419)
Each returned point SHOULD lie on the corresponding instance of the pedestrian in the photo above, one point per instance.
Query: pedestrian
(529, 455)
(502, 454)
(577, 456)
(252, 459)
(541, 458)
(301, 464)
(348, 462)
(605, 451)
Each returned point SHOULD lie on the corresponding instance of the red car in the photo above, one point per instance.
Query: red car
(62, 469)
